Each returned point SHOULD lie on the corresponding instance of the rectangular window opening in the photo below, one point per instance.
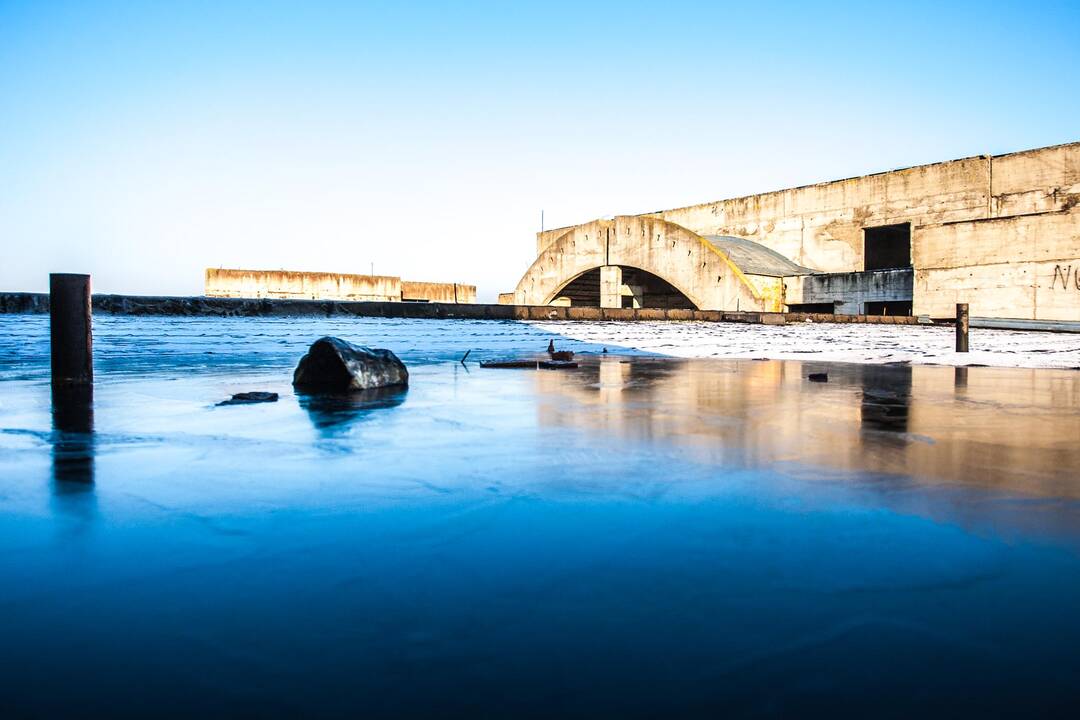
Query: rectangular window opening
(827, 308)
(888, 307)
(887, 247)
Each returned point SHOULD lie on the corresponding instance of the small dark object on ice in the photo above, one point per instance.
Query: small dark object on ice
(334, 365)
(561, 355)
(532, 364)
(818, 377)
(604, 351)
(462, 361)
(249, 398)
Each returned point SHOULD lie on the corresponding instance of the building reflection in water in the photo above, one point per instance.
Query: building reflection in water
(1004, 428)
(886, 399)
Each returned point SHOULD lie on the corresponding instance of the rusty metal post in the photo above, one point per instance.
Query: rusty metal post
(70, 334)
(962, 327)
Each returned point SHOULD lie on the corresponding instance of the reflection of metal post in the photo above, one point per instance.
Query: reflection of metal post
(70, 334)
(73, 443)
(961, 327)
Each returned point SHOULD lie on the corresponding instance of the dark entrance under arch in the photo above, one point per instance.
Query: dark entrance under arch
(645, 290)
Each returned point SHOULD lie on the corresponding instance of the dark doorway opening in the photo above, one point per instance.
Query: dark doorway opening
(887, 307)
(648, 290)
(826, 308)
(887, 247)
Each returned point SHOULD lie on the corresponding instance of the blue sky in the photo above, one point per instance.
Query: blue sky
(144, 142)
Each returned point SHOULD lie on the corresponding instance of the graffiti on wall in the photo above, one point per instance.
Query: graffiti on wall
(1067, 276)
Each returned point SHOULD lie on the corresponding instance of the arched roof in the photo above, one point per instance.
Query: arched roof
(753, 258)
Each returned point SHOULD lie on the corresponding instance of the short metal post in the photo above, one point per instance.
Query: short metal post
(961, 327)
(70, 333)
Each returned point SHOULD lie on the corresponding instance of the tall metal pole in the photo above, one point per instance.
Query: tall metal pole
(70, 332)
(962, 323)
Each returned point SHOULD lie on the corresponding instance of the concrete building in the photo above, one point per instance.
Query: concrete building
(1001, 233)
(331, 286)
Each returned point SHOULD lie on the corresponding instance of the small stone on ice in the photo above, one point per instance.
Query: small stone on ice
(248, 398)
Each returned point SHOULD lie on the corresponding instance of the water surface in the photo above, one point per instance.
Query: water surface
(643, 536)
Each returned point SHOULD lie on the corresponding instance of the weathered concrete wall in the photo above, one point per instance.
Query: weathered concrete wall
(820, 226)
(687, 261)
(851, 291)
(1029, 199)
(1043, 180)
(1014, 267)
(438, 292)
(284, 284)
(770, 290)
(300, 285)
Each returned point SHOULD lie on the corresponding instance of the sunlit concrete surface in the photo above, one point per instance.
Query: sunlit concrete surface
(642, 536)
(1001, 233)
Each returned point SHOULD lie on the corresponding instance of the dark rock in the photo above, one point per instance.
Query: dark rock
(334, 365)
(248, 398)
(562, 355)
(818, 377)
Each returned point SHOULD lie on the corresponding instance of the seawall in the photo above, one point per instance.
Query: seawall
(265, 307)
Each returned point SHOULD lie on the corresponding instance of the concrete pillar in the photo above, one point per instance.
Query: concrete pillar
(611, 286)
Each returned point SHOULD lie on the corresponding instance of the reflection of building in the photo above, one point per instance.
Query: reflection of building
(1008, 428)
(999, 232)
(330, 286)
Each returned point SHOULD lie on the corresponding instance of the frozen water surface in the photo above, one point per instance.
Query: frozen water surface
(643, 536)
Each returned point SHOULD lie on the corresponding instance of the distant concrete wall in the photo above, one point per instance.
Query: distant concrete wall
(850, 291)
(438, 292)
(300, 285)
(284, 284)
(1025, 267)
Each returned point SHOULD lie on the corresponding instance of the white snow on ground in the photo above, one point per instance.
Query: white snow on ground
(831, 341)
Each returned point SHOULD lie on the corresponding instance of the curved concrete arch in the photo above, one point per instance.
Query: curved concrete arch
(559, 291)
(686, 260)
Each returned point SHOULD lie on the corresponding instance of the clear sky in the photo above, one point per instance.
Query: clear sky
(143, 142)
